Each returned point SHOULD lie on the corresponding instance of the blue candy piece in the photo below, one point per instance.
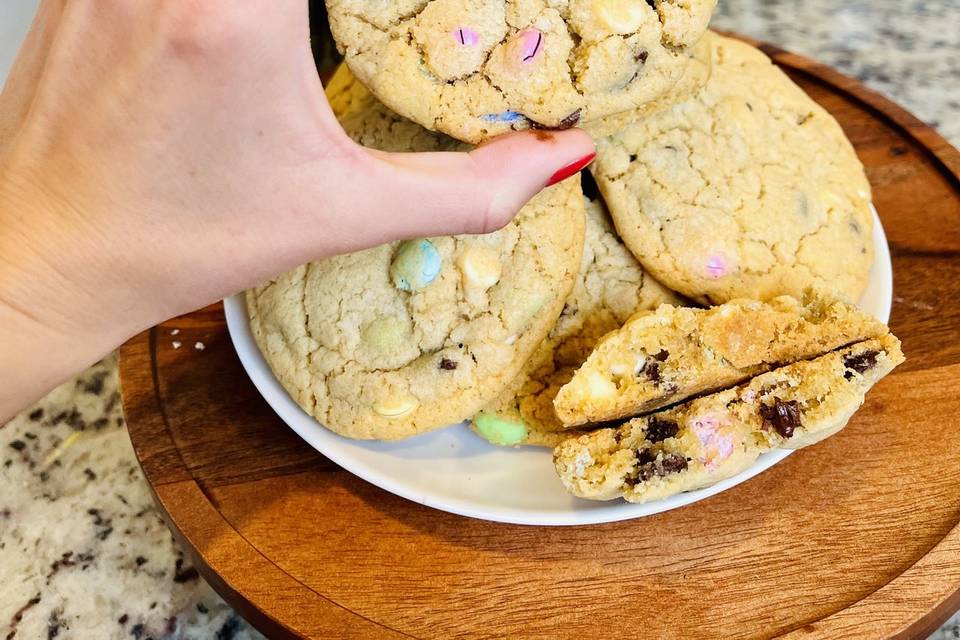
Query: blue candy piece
(506, 116)
(416, 264)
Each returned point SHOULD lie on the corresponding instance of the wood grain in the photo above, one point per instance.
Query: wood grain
(856, 537)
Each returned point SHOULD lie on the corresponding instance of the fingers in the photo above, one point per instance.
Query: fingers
(430, 194)
(25, 74)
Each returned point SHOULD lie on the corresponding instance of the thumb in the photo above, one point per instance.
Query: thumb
(431, 194)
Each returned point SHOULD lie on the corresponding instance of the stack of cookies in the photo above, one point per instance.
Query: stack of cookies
(687, 314)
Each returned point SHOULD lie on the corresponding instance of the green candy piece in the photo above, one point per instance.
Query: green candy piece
(386, 334)
(416, 264)
(497, 430)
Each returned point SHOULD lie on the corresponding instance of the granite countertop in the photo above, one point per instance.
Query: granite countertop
(83, 551)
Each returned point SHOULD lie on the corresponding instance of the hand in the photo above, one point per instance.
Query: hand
(156, 155)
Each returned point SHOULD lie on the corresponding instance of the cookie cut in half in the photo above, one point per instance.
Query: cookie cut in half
(610, 287)
(657, 359)
(703, 441)
(416, 335)
(474, 69)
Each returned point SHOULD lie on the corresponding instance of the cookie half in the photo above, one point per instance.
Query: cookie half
(610, 287)
(662, 357)
(474, 69)
(701, 442)
(411, 336)
(748, 190)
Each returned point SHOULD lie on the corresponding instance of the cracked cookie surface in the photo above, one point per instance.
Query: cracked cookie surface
(610, 287)
(662, 357)
(701, 442)
(750, 189)
(412, 336)
(474, 69)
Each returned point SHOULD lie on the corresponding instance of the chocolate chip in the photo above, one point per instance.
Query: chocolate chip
(652, 371)
(782, 417)
(90, 474)
(123, 619)
(18, 445)
(653, 4)
(662, 356)
(861, 362)
(447, 365)
(568, 122)
(659, 429)
(202, 608)
(642, 57)
(571, 120)
(36, 414)
(140, 560)
(650, 465)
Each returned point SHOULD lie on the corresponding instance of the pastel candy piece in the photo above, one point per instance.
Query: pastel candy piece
(525, 47)
(621, 16)
(466, 36)
(506, 116)
(499, 430)
(480, 267)
(717, 267)
(385, 334)
(717, 445)
(396, 407)
(416, 264)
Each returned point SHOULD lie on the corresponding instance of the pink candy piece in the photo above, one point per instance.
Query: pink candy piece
(717, 446)
(717, 267)
(530, 45)
(466, 36)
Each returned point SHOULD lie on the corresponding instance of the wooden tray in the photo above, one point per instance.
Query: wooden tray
(856, 536)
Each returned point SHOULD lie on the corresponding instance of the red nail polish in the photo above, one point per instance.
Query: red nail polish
(571, 169)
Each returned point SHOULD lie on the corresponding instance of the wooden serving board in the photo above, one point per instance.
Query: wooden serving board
(857, 536)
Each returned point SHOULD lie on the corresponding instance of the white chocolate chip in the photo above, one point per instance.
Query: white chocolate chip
(581, 462)
(620, 16)
(480, 267)
(600, 387)
(640, 364)
(396, 407)
(619, 370)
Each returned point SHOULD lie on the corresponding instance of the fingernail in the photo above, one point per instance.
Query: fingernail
(571, 169)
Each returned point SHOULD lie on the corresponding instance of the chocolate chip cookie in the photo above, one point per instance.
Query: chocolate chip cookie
(706, 440)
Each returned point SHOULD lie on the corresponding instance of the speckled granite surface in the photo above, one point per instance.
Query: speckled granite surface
(83, 552)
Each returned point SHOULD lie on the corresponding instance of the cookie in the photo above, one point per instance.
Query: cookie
(662, 357)
(610, 287)
(695, 76)
(748, 190)
(411, 336)
(706, 440)
(475, 69)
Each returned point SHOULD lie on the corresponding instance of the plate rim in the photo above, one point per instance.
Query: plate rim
(313, 433)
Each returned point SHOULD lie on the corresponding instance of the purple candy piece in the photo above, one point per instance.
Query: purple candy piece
(466, 36)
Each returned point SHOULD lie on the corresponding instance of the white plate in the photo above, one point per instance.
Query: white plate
(454, 470)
